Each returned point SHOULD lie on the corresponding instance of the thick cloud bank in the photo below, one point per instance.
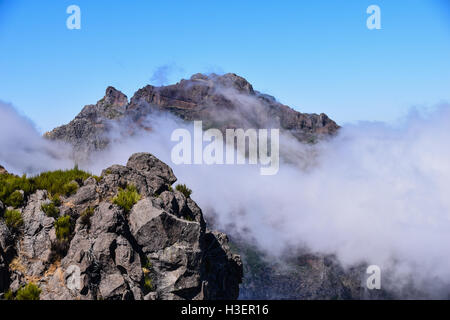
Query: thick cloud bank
(374, 194)
(22, 148)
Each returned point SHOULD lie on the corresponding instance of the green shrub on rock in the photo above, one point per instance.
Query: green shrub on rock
(50, 210)
(9, 295)
(70, 188)
(127, 198)
(184, 190)
(29, 292)
(15, 199)
(62, 226)
(57, 182)
(13, 219)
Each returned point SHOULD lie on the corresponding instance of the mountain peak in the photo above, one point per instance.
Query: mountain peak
(3, 170)
(220, 101)
(228, 80)
(114, 97)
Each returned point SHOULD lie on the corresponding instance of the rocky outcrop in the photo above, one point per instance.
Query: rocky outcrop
(3, 170)
(226, 101)
(160, 249)
(301, 275)
(87, 132)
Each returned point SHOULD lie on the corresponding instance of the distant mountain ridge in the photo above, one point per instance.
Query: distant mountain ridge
(220, 101)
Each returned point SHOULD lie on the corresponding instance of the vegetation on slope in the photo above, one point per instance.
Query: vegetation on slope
(60, 182)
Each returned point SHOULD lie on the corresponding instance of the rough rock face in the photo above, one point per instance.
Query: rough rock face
(160, 249)
(3, 170)
(226, 101)
(87, 131)
(302, 276)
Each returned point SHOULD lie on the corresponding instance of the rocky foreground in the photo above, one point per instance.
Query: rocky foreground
(158, 249)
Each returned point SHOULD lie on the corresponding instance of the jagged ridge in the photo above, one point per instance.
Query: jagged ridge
(226, 101)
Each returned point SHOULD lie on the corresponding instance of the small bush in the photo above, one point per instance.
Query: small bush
(147, 265)
(50, 210)
(13, 219)
(62, 226)
(10, 183)
(60, 181)
(55, 182)
(170, 189)
(15, 199)
(127, 198)
(148, 283)
(85, 217)
(29, 292)
(70, 188)
(56, 200)
(184, 190)
(9, 295)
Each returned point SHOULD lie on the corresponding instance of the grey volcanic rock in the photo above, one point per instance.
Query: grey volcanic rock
(88, 131)
(6, 249)
(161, 249)
(3, 170)
(302, 275)
(220, 101)
(227, 101)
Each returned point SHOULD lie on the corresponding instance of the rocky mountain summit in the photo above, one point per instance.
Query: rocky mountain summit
(220, 101)
(93, 242)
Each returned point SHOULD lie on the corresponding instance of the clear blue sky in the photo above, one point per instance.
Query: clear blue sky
(316, 56)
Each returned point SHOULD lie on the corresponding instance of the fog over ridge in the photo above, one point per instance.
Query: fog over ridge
(374, 194)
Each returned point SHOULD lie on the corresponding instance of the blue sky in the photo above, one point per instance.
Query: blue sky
(316, 56)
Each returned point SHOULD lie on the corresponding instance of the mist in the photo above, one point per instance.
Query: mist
(23, 150)
(374, 194)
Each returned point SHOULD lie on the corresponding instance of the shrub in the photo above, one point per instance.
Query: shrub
(62, 226)
(148, 283)
(13, 219)
(15, 199)
(56, 200)
(61, 180)
(50, 210)
(184, 190)
(70, 188)
(10, 183)
(127, 198)
(9, 295)
(85, 217)
(147, 265)
(55, 182)
(29, 292)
